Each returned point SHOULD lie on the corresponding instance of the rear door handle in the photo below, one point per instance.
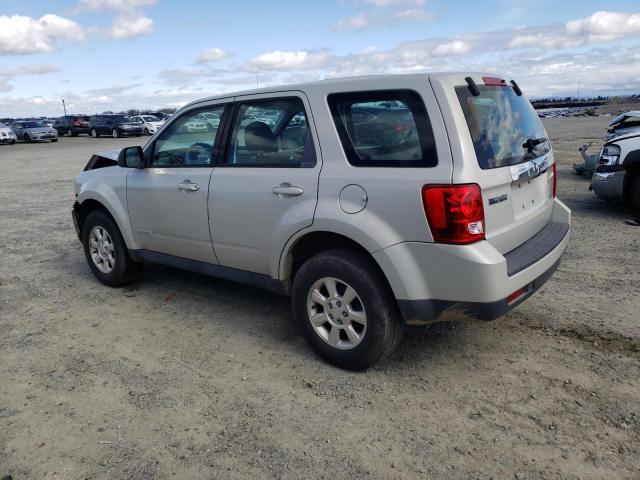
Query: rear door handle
(287, 190)
(189, 186)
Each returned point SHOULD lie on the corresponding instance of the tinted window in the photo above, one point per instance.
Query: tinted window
(190, 141)
(271, 133)
(501, 123)
(33, 125)
(384, 129)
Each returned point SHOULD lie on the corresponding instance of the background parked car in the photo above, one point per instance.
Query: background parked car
(72, 125)
(33, 131)
(7, 135)
(113, 125)
(149, 123)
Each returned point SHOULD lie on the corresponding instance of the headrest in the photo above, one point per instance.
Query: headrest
(258, 137)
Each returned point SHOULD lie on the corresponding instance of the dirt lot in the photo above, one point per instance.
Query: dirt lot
(183, 376)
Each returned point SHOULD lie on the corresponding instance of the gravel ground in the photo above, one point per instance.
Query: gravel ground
(184, 376)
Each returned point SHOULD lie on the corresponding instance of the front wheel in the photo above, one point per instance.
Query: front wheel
(94, 133)
(26, 138)
(345, 309)
(106, 252)
(634, 191)
(146, 131)
(115, 133)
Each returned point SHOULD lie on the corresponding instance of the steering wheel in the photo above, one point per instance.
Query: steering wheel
(203, 149)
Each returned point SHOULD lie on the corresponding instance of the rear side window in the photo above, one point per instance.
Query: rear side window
(388, 128)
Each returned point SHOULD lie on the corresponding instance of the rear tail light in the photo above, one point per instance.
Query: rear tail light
(454, 212)
(554, 179)
(76, 123)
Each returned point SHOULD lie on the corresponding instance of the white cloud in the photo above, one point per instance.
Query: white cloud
(415, 14)
(293, 60)
(20, 35)
(351, 23)
(116, 5)
(605, 26)
(7, 74)
(130, 27)
(454, 47)
(212, 55)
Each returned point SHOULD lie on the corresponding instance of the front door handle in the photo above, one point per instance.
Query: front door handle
(287, 190)
(189, 186)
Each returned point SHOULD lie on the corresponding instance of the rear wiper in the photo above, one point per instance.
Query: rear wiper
(532, 143)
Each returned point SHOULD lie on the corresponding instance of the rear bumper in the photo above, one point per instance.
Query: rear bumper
(436, 282)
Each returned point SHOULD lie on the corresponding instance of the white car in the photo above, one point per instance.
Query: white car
(7, 135)
(150, 124)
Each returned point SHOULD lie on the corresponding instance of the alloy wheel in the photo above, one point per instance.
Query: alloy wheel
(336, 313)
(102, 249)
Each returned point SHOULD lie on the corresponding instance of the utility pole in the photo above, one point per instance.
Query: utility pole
(64, 107)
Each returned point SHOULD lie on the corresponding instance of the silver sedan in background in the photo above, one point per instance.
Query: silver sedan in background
(33, 131)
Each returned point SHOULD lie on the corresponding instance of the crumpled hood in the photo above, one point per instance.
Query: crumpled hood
(110, 154)
(624, 116)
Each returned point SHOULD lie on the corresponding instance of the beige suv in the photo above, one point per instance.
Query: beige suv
(374, 202)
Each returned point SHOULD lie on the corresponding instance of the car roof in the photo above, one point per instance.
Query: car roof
(346, 83)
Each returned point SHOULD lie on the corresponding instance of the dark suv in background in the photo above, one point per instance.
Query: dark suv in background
(113, 125)
(72, 125)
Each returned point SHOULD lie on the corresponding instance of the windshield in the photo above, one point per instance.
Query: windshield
(119, 118)
(33, 125)
(151, 119)
(504, 127)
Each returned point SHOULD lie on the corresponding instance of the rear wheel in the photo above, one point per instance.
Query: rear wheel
(106, 252)
(94, 133)
(345, 309)
(69, 132)
(26, 138)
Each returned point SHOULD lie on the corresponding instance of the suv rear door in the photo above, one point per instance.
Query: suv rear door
(266, 188)
(499, 142)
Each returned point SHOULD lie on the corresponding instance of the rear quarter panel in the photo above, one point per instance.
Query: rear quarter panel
(394, 211)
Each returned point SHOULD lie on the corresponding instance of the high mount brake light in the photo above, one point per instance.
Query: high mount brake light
(494, 82)
(455, 213)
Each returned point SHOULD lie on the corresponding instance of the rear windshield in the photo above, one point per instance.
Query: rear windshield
(504, 127)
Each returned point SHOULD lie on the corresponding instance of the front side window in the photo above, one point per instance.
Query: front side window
(504, 127)
(384, 128)
(271, 133)
(190, 141)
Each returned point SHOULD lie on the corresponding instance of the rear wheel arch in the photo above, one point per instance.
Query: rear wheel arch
(312, 243)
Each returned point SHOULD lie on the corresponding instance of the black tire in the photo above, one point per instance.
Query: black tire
(115, 133)
(54, 140)
(634, 191)
(26, 138)
(384, 326)
(94, 133)
(146, 131)
(125, 270)
(69, 132)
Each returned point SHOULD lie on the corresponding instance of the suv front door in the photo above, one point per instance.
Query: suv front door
(167, 200)
(266, 188)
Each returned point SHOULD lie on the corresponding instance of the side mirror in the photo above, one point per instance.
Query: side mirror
(131, 157)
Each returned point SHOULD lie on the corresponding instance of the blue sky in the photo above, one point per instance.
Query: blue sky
(116, 54)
